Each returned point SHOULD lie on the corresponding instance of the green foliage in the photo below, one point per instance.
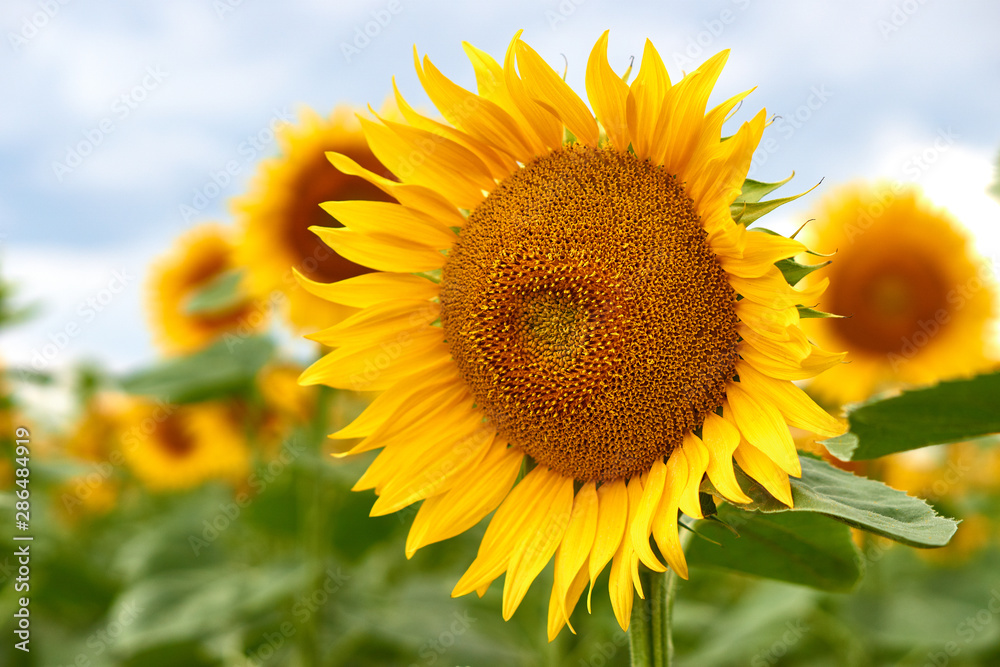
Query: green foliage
(219, 295)
(947, 412)
(800, 548)
(859, 502)
(228, 365)
(748, 207)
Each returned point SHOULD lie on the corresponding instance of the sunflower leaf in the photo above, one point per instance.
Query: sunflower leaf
(857, 501)
(947, 412)
(807, 549)
(217, 296)
(225, 367)
(794, 271)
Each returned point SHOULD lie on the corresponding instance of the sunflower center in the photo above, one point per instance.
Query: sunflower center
(888, 299)
(588, 314)
(321, 182)
(174, 438)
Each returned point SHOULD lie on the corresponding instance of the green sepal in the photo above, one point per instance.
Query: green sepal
(947, 412)
(811, 313)
(220, 295)
(748, 207)
(794, 271)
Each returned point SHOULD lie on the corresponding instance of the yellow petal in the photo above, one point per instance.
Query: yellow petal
(760, 253)
(761, 424)
(665, 524)
(399, 398)
(793, 351)
(761, 468)
(612, 519)
(772, 290)
(543, 84)
(388, 319)
(607, 94)
(415, 196)
(574, 551)
(381, 365)
(785, 369)
(721, 439)
(381, 251)
(525, 510)
(652, 491)
(476, 491)
(409, 224)
(766, 321)
(542, 122)
(645, 97)
(371, 288)
(794, 404)
(697, 458)
(561, 604)
(537, 547)
(624, 581)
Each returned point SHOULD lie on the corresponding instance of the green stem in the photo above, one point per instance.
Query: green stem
(650, 633)
(639, 640)
(312, 501)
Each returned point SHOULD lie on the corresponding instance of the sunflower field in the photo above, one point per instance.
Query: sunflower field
(531, 352)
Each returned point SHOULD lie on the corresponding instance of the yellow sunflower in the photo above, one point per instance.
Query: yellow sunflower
(283, 203)
(918, 302)
(568, 296)
(178, 447)
(200, 258)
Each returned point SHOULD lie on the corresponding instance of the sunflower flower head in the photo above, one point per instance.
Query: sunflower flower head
(918, 303)
(283, 203)
(200, 259)
(563, 290)
(172, 448)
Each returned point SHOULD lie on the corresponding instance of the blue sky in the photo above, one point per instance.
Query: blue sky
(117, 115)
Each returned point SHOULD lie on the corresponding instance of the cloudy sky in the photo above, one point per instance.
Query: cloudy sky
(116, 116)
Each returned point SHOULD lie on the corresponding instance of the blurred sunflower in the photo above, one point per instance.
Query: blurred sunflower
(918, 301)
(200, 259)
(582, 322)
(95, 439)
(283, 203)
(183, 446)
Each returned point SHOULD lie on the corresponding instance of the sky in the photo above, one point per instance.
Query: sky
(119, 118)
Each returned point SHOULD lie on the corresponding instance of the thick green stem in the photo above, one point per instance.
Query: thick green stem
(650, 633)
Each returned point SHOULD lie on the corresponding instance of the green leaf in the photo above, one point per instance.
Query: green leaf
(219, 295)
(807, 549)
(794, 271)
(857, 501)
(225, 367)
(753, 191)
(947, 412)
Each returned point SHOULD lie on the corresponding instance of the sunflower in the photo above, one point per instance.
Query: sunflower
(177, 447)
(200, 258)
(567, 296)
(918, 302)
(283, 203)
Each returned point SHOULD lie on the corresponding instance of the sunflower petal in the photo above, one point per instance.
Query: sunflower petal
(721, 439)
(608, 95)
(761, 424)
(612, 514)
(624, 581)
(697, 458)
(645, 96)
(573, 553)
(542, 83)
(758, 466)
(381, 251)
(794, 404)
(665, 524)
(370, 217)
(371, 288)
